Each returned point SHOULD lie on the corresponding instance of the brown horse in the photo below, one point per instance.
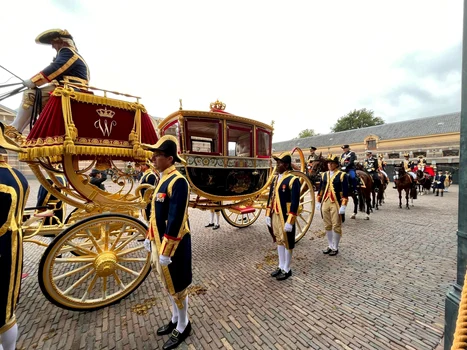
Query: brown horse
(315, 169)
(382, 188)
(424, 182)
(364, 194)
(405, 183)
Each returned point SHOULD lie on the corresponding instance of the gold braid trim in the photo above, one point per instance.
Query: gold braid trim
(10, 222)
(55, 151)
(460, 335)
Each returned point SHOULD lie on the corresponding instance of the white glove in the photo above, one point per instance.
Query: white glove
(344, 167)
(288, 227)
(164, 260)
(318, 206)
(147, 245)
(28, 83)
(342, 209)
(268, 221)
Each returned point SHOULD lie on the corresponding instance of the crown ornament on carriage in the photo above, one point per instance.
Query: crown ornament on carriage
(217, 105)
(106, 113)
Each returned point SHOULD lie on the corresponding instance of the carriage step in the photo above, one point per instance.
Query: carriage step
(243, 209)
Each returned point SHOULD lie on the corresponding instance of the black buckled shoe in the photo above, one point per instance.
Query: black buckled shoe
(283, 275)
(216, 227)
(209, 225)
(176, 338)
(334, 252)
(276, 272)
(167, 329)
(327, 250)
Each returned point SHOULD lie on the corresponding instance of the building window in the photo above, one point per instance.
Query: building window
(371, 144)
(393, 156)
(451, 153)
(416, 154)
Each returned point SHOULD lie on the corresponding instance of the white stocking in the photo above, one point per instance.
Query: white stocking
(335, 240)
(281, 253)
(22, 118)
(288, 259)
(212, 217)
(216, 218)
(174, 310)
(329, 236)
(9, 338)
(183, 316)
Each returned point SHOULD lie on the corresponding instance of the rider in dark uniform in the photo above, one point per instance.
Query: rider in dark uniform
(14, 191)
(313, 156)
(370, 164)
(68, 65)
(347, 163)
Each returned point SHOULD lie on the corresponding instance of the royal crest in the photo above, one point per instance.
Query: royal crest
(105, 124)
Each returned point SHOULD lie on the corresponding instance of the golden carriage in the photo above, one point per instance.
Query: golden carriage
(97, 255)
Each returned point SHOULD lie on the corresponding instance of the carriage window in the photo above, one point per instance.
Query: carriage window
(172, 129)
(263, 142)
(204, 135)
(240, 137)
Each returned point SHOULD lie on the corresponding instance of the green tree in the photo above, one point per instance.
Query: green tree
(357, 119)
(306, 133)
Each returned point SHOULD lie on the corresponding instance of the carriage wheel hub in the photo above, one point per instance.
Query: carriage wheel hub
(105, 264)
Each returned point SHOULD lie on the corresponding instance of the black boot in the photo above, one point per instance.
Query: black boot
(437, 193)
(442, 192)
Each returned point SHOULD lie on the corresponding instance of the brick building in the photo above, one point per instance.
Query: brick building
(436, 138)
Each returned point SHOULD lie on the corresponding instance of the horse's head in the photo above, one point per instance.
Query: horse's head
(359, 166)
(318, 166)
(399, 169)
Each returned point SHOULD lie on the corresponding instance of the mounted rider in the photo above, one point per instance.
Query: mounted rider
(370, 164)
(67, 66)
(313, 156)
(421, 163)
(382, 167)
(347, 163)
(408, 167)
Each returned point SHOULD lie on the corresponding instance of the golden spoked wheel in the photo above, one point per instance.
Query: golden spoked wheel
(112, 263)
(306, 209)
(240, 215)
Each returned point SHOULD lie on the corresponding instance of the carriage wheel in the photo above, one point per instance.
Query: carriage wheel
(306, 208)
(239, 217)
(112, 265)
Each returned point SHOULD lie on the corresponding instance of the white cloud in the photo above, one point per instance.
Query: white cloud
(303, 64)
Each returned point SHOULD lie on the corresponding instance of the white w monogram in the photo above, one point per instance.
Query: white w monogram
(106, 126)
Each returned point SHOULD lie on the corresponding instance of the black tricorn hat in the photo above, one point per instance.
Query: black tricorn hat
(49, 35)
(313, 148)
(168, 145)
(284, 158)
(345, 146)
(333, 159)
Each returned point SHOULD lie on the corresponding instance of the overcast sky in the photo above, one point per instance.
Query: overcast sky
(302, 64)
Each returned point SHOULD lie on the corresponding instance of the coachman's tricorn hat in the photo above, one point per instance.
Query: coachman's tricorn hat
(168, 145)
(333, 159)
(284, 158)
(49, 35)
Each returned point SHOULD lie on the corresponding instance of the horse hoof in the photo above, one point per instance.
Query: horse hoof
(352, 217)
(367, 218)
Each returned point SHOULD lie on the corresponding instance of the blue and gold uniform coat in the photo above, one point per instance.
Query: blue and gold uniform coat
(439, 181)
(148, 178)
(44, 198)
(68, 63)
(170, 231)
(284, 198)
(14, 191)
(336, 187)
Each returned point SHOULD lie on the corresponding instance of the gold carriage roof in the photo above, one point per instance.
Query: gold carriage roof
(212, 115)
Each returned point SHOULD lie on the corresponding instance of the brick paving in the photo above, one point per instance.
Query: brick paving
(384, 290)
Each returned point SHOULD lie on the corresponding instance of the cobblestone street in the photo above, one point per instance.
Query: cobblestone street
(384, 290)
